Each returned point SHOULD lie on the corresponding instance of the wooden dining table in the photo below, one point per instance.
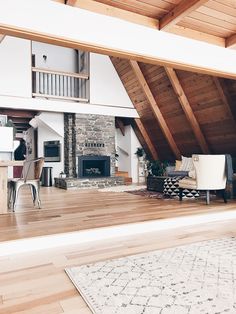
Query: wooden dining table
(4, 164)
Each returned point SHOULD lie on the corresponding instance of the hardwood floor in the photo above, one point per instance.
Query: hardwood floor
(37, 284)
(33, 283)
(68, 211)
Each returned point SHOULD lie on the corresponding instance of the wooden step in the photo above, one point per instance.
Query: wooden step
(122, 174)
(128, 180)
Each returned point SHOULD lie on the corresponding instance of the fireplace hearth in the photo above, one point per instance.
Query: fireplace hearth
(93, 166)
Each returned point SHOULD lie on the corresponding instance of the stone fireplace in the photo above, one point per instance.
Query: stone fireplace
(93, 166)
(89, 151)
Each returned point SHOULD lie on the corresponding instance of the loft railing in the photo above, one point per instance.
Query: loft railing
(60, 85)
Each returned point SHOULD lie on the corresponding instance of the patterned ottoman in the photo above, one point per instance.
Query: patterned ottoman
(171, 188)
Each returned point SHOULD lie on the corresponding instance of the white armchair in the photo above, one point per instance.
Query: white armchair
(210, 172)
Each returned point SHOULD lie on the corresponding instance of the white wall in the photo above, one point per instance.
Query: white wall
(57, 58)
(134, 164)
(46, 133)
(15, 67)
(108, 95)
(64, 106)
(55, 121)
(129, 143)
(123, 143)
(105, 85)
(114, 35)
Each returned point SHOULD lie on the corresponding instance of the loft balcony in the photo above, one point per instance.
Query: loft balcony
(52, 84)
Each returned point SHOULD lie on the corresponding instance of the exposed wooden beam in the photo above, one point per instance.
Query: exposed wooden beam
(18, 113)
(146, 138)
(187, 109)
(231, 41)
(134, 42)
(155, 108)
(60, 1)
(109, 10)
(120, 125)
(20, 120)
(193, 34)
(184, 8)
(71, 2)
(223, 96)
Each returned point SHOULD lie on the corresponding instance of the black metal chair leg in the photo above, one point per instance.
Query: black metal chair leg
(207, 197)
(224, 195)
(180, 194)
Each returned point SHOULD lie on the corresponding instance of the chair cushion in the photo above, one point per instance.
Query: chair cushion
(178, 165)
(187, 164)
(188, 183)
(192, 174)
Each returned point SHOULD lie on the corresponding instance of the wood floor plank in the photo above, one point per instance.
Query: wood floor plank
(31, 289)
(33, 283)
(73, 210)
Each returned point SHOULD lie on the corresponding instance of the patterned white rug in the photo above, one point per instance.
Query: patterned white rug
(199, 278)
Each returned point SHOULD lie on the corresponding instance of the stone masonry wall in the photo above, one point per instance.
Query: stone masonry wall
(87, 134)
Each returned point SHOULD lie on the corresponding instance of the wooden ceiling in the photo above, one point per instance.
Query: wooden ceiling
(181, 113)
(20, 118)
(213, 21)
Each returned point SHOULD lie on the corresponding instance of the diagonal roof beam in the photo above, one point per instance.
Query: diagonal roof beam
(187, 109)
(230, 41)
(120, 125)
(155, 108)
(223, 97)
(146, 138)
(184, 8)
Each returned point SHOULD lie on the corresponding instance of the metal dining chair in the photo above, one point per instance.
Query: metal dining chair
(31, 173)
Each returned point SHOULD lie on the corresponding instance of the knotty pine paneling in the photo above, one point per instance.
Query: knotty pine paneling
(215, 17)
(230, 92)
(150, 8)
(209, 109)
(143, 107)
(170, 107)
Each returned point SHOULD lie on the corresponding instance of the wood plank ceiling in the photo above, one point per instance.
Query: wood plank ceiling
(213, 21)
(180, 112)
(206, 126)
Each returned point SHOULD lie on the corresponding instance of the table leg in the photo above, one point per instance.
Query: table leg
(3, 190)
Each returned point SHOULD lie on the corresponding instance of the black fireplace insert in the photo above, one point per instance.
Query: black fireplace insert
(93, 166)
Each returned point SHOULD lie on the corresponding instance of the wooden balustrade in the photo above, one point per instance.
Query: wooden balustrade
(62, 85)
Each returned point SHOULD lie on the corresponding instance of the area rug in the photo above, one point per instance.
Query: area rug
(148, 194)
(122, 188)
(199, 278)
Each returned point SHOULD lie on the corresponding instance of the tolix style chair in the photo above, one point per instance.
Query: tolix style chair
(31, 173)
